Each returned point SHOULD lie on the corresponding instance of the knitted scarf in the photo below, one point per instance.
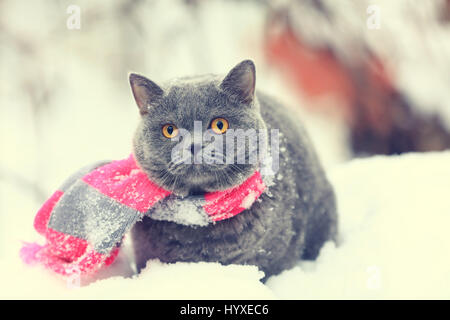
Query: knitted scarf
(85, 220)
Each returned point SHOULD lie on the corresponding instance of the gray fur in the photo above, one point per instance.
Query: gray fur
(290, 222)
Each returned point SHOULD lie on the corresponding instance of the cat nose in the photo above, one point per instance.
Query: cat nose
(195, 148)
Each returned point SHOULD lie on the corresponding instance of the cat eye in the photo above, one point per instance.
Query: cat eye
(219, 125)
(169, 131)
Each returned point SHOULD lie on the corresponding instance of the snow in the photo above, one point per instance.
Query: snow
(249, 200)
(65, 102)
(177, 281)
(394, 215)
(185, 211)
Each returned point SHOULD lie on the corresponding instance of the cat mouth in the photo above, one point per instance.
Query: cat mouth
(196, 169)
(200, 178)
(197, 192)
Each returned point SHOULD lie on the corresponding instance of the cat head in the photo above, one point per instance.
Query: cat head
(181, 140)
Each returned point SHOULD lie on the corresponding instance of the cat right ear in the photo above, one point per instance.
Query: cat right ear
(240, 82)
(145, 92)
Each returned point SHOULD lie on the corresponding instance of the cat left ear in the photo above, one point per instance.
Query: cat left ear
(240, 82)
(145, 92)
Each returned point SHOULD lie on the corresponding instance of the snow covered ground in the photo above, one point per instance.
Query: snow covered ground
(65, 102)
(394, 243)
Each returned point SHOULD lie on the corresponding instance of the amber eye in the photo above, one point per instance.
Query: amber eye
(170, 131)
(219, 125)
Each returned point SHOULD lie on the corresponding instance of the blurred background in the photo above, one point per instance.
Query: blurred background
(366, 77)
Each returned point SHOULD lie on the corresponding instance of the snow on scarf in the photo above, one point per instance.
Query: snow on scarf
(85, 220)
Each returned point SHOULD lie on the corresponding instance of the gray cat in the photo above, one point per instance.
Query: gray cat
(289, 222)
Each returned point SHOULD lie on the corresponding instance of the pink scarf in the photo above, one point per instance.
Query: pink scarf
(85, 220)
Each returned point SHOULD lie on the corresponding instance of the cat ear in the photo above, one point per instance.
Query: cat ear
(240, 82)
(145, 92)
